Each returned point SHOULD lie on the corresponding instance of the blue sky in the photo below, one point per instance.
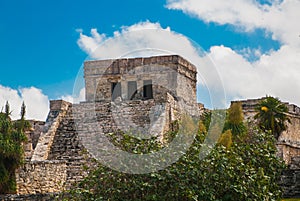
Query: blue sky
(41, 54)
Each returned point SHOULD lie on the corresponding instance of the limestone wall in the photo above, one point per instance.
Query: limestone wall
(41, 177)
(29, 197)
(84, 125)
(58, 109)
(289, 140)
(32, 137)
(290, 183)
(147, 117)
(162, 70)
(68, 147)
(288, 143)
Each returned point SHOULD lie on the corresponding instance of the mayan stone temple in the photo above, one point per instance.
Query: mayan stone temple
(143, 96)
(139, 95)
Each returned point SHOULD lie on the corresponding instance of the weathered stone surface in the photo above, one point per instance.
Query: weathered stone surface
(171, 74)
(288, 143)
(30, 197)
(290, 181)
(58, 109)
(61, 156)
(67, 147)
(288, 146)
(41, 177)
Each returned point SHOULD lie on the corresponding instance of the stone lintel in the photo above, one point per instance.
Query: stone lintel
(99, 67)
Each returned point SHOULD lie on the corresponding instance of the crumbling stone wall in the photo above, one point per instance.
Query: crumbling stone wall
(58, 109)
(38, 127)
(85, 125)
(41, 177)
(147, 117)
(32, 137)
(290, 183)
(68, 147)
(288, 143)
(288, 146)
(29, 197)
(289, 140)
(171, 74)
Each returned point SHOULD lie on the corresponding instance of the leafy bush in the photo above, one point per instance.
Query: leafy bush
(249, 170)
(226, 139)
(234, 120)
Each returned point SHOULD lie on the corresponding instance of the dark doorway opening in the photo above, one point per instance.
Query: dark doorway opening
(115, 90)
(147, 90)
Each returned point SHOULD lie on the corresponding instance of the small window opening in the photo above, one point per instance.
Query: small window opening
(115, 90)
(132, 90)
(147, 89)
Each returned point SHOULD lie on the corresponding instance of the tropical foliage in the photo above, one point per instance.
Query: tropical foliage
(272, 115)
(11, 149)
(234, 121)
(244, 169)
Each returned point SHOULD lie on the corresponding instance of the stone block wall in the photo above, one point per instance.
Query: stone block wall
(84, 125)
(68, 147)
(32, 137)
(289, 140)
(288, 143)
(162, 70)
(147, 117)
(58, 109)
(288, 146)
(290, 181)
(29, 197)
(41, 177)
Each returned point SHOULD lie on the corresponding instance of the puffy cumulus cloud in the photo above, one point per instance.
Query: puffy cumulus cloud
(275, 74)
(37, 104)
(75, 98)
(220, 70)
(149, 39)
(280, 18)
(89, 44)
(141, 39)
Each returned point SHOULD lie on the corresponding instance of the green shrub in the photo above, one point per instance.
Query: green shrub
(249, 170)
(226, 139)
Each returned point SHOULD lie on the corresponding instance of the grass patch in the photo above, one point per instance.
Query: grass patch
(291, 199)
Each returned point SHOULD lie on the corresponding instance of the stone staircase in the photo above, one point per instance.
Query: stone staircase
(67, 147)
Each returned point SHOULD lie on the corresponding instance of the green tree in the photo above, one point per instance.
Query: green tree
(21, 124)
(11, 151)
(234, 120)
(272, 115)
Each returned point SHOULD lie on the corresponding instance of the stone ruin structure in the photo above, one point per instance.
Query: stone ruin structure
(139, 95)
(288, 145)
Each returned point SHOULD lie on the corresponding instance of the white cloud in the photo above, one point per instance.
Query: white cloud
(75, 98)
(275, 73)
(281, 18)
(37, 104)
(144, 38)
